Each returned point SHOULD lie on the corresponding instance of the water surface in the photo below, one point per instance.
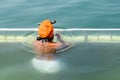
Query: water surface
(85, 61)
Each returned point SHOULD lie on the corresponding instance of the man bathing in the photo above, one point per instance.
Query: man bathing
(44, 43)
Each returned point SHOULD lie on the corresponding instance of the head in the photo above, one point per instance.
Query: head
(46, 30)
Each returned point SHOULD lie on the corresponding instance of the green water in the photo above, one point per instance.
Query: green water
(69, 14)
(84, 61)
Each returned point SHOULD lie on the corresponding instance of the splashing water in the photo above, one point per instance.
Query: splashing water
(31, 37)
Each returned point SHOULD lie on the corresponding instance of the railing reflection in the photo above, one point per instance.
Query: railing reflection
(78, 34)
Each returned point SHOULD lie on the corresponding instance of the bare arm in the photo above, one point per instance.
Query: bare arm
(59, 38)
(63, 43)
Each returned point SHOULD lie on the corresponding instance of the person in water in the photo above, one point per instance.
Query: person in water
(44, 44)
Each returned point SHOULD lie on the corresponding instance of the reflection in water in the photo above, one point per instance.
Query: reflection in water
(48, 66)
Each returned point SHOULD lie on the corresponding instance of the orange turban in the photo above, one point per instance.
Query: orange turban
(46, 29)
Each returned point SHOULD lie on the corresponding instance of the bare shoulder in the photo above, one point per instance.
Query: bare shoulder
(50, 47)
(44, 48)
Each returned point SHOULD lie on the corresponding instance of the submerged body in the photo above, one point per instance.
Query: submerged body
(46, 50)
